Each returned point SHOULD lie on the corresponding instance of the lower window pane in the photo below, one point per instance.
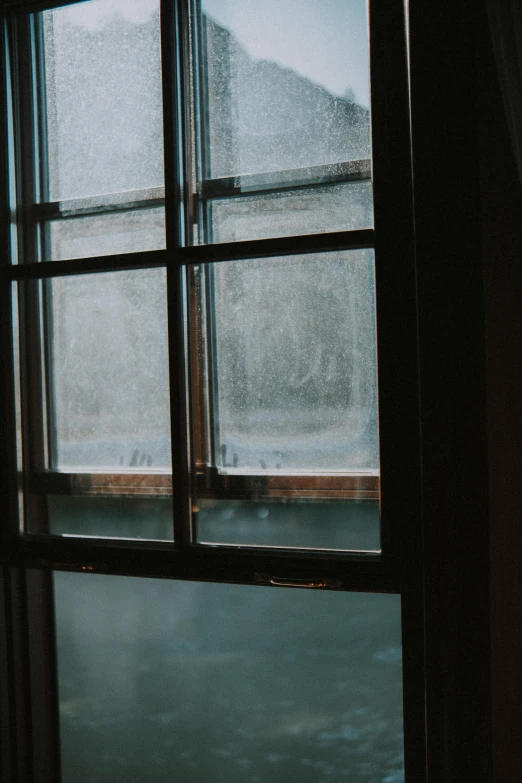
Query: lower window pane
(291, 523)
(148, 519)
(172, 681)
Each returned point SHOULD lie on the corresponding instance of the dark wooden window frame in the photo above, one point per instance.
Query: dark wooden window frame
(401, 565)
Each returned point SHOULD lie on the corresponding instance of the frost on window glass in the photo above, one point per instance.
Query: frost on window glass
(295, 363)
(287, 83)
(342, 207)
(103, 97)
(110, 371)
(102, 235)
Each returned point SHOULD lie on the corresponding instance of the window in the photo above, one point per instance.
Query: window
(213, 321)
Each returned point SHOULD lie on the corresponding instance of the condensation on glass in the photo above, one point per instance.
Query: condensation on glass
(101, 134)
(283, 101)
(109, 234)
(176, 680)
(96, 447)
(286, 399)
(294, 364)
(314, 210)
(108, 370)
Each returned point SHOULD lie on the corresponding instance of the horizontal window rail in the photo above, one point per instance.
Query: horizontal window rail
(222, 187)
(123, 484)
(198, 254)
(275, 181)
(34, 6)
(367, 570)
(215, 483)
(147, 198)
(211, 483)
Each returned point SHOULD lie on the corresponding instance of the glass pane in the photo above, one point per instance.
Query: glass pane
(103, 235)
(144, 518)
(294, 523)
(283, 95)
(294, 364)
(162, 681)
(334, 208)
(285, 403)
(287, 84)
(109, 369)
(103, 101)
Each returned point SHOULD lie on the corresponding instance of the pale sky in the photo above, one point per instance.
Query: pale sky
(95, 13)
(324, 40)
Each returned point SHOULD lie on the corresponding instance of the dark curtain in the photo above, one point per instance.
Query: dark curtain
(505, 19)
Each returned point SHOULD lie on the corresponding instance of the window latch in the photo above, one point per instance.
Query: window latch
(283, 581)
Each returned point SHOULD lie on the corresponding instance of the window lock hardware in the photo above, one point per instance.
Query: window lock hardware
(86, 568)
(282, 581)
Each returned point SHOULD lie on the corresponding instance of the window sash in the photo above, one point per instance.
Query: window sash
(174, 27)
(176, 256)
(399, 568)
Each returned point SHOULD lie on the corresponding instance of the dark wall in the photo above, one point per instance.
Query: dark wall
(445, 136)
(469, 245)
(502, 255)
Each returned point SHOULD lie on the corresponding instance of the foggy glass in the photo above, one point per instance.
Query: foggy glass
(291, 522)
(343, 207)
(294, 370)
(275, 100)
(109, 391)
(283, 87)
(103, 101)
(166, 681)
(102, 235)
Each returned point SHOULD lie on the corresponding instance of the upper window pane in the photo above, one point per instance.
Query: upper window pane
(287, 84)
(102, 103)
(282, 114)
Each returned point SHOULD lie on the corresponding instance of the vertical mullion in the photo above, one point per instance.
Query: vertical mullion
(42, 235)
(397, 355)
(201, 120)
(41, 130)
(204, 212)
(173, 98)
(204, 327)
(34, 419)
(214, 449)
(8, 471)
(12, 715)
(24, 137)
